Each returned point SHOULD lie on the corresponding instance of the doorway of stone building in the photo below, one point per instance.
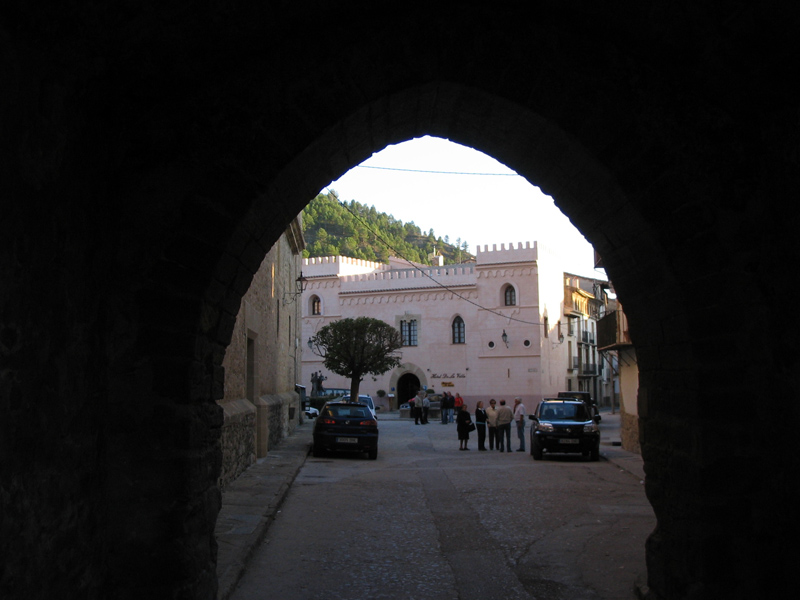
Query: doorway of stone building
(407, 386)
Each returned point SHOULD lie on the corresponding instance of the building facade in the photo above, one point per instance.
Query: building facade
(585, 303)
(262, 362)
(488, 329)
(614, 340)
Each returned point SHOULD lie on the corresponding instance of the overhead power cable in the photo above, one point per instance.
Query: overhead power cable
(439, 172)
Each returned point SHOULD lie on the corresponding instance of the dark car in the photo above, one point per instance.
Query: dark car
(565, 425)
(346, 426)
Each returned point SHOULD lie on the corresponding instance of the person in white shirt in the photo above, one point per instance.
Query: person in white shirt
(504, 417)
(519, 417)
(426, 407)
(491, 422)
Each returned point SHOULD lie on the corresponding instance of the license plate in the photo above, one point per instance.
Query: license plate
(570, 441)
(340, 440)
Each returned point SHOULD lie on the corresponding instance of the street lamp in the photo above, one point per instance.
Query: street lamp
(301, 283)
(505, 338)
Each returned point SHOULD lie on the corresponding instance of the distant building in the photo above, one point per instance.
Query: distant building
(614, 340)
(488, 329)
(585, 303)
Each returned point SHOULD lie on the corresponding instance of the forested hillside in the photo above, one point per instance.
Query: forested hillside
(360, 231)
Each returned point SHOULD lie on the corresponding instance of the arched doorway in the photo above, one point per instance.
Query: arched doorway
(675, 176)
(407, 386)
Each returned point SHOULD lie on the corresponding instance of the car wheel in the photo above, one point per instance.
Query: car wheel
(536, 451)
(373, 454)
(595, 454)
(317, 451)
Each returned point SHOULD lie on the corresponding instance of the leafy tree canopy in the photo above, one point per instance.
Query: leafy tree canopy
(356, 347)
(330, 229)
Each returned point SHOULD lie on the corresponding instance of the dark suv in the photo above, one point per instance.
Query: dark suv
(565, 425)
(346, 426)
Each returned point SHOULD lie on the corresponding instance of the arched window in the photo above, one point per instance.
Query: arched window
(316, 305)
(459, 331)
(510, 296)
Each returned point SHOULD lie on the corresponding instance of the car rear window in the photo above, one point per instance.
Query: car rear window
(343, 412)
(563, 412)
(361, 400)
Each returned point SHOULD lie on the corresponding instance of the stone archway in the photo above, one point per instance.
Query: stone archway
(149, 166)
(407, 386)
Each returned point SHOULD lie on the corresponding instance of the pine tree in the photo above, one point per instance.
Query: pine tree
(355, 230)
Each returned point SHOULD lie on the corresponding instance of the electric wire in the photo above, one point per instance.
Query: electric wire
(438, 172)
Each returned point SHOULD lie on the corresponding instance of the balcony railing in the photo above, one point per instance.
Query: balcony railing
(612, 331)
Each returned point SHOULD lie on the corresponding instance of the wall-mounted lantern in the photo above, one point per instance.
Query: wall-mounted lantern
(301, 283)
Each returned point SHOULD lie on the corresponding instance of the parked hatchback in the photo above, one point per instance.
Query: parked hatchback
(565, 425)
(364, 399)
(346, 426)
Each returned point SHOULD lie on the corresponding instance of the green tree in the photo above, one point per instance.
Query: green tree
(357, 347)
(330, 229)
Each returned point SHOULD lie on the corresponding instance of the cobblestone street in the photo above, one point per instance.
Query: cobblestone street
(426, 521)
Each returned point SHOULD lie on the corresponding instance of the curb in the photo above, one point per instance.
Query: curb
(250, 503)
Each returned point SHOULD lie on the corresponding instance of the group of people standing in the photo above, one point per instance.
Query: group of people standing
(498, 422)
(420, 407)
(450, 406)
(496, 419)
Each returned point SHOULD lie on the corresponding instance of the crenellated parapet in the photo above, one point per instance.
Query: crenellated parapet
(362, 276)
(402, 279)
(511, 253)
(340, 265)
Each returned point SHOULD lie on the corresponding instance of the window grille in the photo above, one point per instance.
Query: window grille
(511, 296)
(408, 332)
(459, 331)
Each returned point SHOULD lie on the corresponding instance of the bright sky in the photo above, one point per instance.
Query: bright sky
(449, 198)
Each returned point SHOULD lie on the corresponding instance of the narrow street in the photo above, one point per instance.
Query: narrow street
(425, 521)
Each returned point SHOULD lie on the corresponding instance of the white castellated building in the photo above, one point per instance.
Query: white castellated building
(488, 329)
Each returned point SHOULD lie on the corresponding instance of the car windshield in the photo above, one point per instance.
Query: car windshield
(343, 412)
(563, 412)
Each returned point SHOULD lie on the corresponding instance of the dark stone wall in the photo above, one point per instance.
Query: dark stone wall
(237, 440)
(150, 156)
